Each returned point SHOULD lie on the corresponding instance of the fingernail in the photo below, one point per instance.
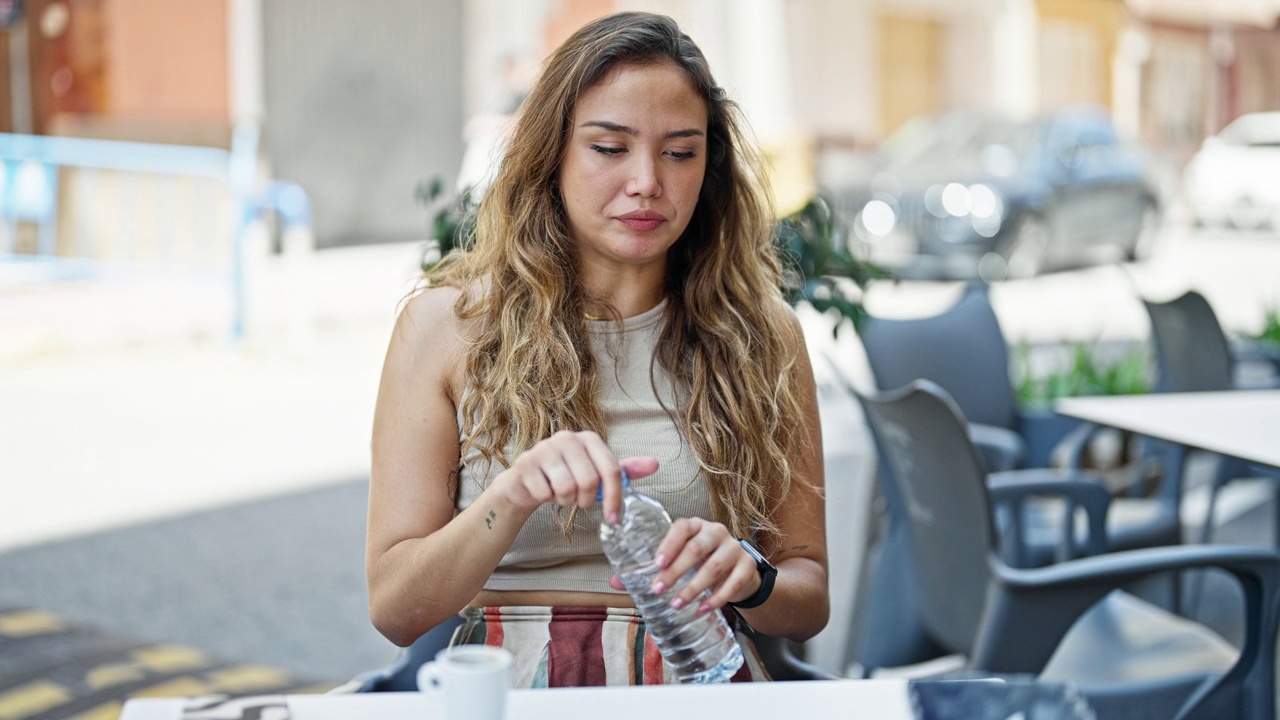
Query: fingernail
(660, 560)
(704, 608)
(677, 603)
(613, 518)
(658, 587)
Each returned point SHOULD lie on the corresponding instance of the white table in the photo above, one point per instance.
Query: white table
(1243, 424)
(880, 699)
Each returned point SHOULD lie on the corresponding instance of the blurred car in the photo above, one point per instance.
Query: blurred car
(1234, 179)
(964, 194)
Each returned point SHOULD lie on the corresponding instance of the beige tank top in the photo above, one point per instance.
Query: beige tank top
(541, 558)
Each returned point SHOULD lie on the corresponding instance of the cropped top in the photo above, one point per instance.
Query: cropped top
(542, 558)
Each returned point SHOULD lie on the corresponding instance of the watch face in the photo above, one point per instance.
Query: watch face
(761, 561)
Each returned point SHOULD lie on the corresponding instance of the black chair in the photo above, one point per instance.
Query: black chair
(964, 351)
(1193, 355)
(402, 674)
(1064, 623)
(782, 663)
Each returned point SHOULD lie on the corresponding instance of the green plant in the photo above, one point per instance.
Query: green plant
(818, 266)
(1270, 332)
(450, 220)
(1082, 374)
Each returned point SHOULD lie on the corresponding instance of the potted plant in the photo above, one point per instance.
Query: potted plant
(450, 219)
(1264, 345)
(818, 266)
(1076, 369)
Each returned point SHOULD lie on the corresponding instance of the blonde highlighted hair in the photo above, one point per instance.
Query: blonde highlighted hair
(728, 342)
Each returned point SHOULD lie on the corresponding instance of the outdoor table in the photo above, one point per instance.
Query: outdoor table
(1243, 424)
(879, 699)
(815, 700)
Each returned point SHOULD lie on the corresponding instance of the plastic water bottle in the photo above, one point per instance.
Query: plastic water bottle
(699, 649)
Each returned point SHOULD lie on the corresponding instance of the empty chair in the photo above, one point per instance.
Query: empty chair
(964, 351)
(1064, 623)
(1193, 355)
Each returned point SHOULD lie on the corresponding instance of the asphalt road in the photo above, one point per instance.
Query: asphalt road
(278, 581)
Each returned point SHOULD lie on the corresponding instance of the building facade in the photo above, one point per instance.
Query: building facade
(361, 102)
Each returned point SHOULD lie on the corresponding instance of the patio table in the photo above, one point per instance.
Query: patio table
(967, 699)
(885, 699)
(1243, 424)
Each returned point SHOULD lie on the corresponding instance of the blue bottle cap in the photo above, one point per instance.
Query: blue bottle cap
(626, 483)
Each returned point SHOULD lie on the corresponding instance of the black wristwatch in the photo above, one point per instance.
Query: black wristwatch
(768, 573)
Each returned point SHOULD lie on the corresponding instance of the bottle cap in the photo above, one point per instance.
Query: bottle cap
(626, 483)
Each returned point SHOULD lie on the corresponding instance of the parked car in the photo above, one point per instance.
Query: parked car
(966, 194)
(1234, 179)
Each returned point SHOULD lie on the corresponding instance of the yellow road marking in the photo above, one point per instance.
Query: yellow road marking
(105, 711)
(30, 622)
(248, 677)
(113, 674)
(170, 658)
(26, 700)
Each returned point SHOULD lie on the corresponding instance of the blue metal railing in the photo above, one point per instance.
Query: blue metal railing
(33, 189)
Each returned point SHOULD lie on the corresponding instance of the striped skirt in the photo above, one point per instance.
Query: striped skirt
(583, 646)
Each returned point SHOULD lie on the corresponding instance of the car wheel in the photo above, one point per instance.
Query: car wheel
(1144, 240)
(1027, 247)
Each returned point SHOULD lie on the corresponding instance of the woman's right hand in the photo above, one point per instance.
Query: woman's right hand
(568, 469)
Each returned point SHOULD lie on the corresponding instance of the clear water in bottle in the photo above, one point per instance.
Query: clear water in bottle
(698, 649)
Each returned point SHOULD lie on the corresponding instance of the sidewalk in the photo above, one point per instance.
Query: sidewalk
(126, 402)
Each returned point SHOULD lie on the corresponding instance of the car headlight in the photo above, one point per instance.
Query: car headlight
(956, 200)
(878, 217)
(986, 209)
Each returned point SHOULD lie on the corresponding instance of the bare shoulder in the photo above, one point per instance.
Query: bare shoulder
(431, 316)
(429, 333)
(430, 310)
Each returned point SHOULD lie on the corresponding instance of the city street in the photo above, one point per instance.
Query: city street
(169, 486)
(213, 213)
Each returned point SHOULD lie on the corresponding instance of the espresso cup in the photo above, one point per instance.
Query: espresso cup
(472, 679)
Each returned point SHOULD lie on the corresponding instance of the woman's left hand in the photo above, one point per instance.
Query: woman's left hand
(723, 566)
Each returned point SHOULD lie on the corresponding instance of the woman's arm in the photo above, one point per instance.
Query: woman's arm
(423, 564)
(798, 607)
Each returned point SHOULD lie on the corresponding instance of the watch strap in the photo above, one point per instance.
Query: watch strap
(768, 574)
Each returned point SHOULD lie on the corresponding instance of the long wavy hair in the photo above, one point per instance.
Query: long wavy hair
(727, 343)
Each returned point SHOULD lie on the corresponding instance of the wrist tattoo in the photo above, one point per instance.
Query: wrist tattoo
(489, 520)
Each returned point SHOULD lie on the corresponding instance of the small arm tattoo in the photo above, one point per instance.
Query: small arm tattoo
(799, 547)
(489, 520)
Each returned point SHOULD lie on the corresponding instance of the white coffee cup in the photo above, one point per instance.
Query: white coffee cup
(473, 680)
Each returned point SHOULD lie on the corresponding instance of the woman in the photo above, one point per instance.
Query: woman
(619, 309)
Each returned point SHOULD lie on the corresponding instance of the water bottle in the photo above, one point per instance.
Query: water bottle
(698, 649)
